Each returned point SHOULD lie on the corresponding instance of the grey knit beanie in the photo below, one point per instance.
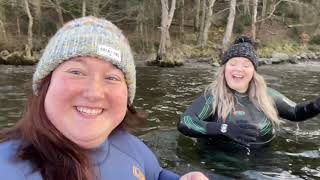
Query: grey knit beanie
(242, 47)
(88, 36)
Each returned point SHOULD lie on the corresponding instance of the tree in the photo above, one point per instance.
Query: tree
(166, 19)
(246, 7)
(264, 11)
(37, 15)
(197, 16)
(203, 37)
(97, 6)
(182, 20)
(2, 26)
(84, 8)
(3, 29)
(29, 45)
(228, 32)
(254, 19)
(202, 20)
(141, 20)
(57, 6)
(37, 9)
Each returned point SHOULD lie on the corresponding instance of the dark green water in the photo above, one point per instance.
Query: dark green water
(165, 94)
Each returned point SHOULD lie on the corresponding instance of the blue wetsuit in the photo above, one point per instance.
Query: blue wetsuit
(195, 119)
(122, 156)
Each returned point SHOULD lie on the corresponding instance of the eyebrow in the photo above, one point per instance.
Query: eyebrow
(80, 60)
(83, 62)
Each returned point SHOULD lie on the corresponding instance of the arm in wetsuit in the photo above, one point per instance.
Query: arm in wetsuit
(294, 112)
(198, 122)
(193, 121)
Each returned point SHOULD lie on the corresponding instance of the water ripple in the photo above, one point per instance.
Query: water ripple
(270, 175)
(165, 93)
(306, 154)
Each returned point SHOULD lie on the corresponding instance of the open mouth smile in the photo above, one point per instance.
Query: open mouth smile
(89, 111)
(237, 76)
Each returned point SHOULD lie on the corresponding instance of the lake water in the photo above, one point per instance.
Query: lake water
(166, 92)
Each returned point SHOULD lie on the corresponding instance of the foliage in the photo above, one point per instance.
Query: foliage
(241, 22)
(297, 31)
(288, 47)
(140, 21)
(281, 9)
(315, 40)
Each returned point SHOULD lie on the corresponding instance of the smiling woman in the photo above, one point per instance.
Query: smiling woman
(89, 94)
(238, 109)
(75, 124)
(238, 73)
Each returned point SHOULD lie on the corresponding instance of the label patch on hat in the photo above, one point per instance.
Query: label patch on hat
(109, 52)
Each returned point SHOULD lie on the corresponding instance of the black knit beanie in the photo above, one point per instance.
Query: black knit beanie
(242, 47)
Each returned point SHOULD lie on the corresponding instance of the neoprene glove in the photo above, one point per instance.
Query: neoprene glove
(317, 103)
(241, 131)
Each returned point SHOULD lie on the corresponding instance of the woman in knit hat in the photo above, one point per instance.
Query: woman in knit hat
(238, 108)
(75, 123)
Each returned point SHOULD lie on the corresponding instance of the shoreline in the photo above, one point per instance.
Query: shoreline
(18, 59)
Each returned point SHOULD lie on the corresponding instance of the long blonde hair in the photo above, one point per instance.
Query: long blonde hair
(224, 98)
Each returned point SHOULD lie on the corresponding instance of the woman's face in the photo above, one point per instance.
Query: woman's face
(86, 99)
(238, 73)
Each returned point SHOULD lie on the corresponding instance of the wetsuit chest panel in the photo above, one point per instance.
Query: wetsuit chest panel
(125, 157)
(121, 167)
(246, 110)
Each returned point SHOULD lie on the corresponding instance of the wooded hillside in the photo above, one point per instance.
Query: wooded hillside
(166, 26)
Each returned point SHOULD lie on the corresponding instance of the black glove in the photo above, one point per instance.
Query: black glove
(241, 131)
(304, 111)
(316, 104)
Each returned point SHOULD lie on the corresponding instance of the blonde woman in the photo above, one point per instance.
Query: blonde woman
(238, 108)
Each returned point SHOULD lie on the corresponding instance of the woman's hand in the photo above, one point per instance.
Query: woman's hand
(241, 131)
(194, 176)
(317, 103)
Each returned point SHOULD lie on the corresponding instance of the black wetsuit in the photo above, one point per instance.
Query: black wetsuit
(196, 118)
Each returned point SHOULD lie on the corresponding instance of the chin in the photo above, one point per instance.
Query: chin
(89, 144)
(241, 90)
(88, 139)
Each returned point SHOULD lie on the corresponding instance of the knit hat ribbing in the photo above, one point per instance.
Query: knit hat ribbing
(242, 47)
(88, 36)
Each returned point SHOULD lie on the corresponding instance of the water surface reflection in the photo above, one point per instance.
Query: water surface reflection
(165, 94)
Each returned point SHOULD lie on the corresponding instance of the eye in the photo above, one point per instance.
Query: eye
(75, 72)
(113, 78)
(232, 64)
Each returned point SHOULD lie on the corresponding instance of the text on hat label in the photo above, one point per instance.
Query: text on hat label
(109, 52)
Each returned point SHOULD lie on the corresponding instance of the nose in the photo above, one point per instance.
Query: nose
(95, 89)
(239, 67)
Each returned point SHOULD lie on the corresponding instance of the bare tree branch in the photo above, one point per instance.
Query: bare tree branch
(272, 11)
(275, 6)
